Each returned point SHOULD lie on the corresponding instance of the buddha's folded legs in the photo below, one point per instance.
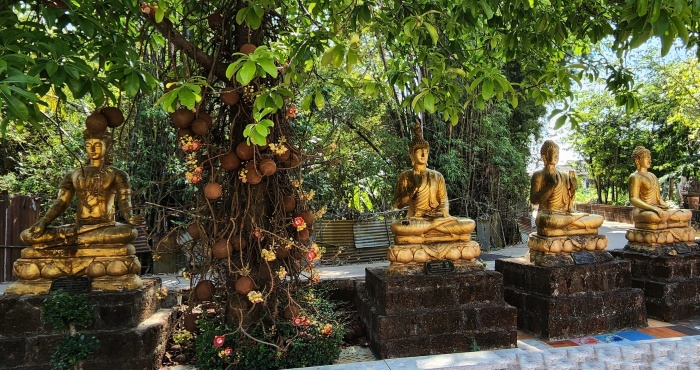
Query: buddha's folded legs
(571, 221)
(85, 235)
(451, 226)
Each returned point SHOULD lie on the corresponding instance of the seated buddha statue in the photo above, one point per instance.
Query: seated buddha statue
(554, 192)
(428, 218)
(95, 185)
(650, 211)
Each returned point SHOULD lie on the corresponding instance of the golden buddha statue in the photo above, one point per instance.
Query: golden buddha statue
(428, 232)
(560, 231)
(96, 245)
(655, 223)
(554, 192)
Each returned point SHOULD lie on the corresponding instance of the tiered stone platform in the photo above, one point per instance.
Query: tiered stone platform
(572, 301)
(670, 279)
(415, 315)
(131, 328)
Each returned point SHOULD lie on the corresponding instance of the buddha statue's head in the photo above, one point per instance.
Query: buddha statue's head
(419, 148)
(97, 145)
(550, 152)
(641, 157)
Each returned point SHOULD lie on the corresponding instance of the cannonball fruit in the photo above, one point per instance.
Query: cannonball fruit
(267, 167)
(96, 123)
(238, 244)
(182, 132)
(204, 290)
(308, 217)
(229, 161)
(200, 126)
(205, 116)
(220, 249)
(281, 252)
(244, 151)
(289, 203)
(285, 156)
(182, 118)
(193, 230)
(248, 49)
(304, 235)
(212, 190)
(215, 20)
(229, 96)
(190, 322)
(291, 312)
(115, 117)
(244, 285)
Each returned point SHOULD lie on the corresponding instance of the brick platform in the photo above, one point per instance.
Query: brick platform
(130, 326)
(671, 284)
(572, 301)
(415, 315)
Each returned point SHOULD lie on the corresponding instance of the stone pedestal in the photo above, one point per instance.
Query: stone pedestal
(556, 250)
(416, 315)
(131, 328)
(671, 283)
(112, 267)
(572, 301)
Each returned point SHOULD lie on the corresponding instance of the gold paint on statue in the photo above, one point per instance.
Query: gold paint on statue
(655, 223)
(96, 245)
(428, 232)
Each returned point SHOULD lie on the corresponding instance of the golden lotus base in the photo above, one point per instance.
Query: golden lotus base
(566, 244)
(112, 267)
(659, 237)
(410, 258)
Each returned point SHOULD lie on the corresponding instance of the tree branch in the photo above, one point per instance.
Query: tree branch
(205, 60)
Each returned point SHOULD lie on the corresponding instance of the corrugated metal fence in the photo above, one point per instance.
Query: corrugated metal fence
(350, 241)
(16, 214)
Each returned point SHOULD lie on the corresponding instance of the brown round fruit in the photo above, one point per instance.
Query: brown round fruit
(205, 116)
(200, 126)
(190, 322)
(215, 20)
(285, 156)
(182, 118)
(294, 160)
(304, 235)
(267, 167)
(281, 252)
(96, 123)
(182, 132)
(220, 249)
(212, 191)
(194, 230)
(248, 49)
(244, 285)
(229, 161)
(253, 177)
(291, 312)
(115, 117)
(204, 290)
(229, 96)
(308, 217)
(244, 151)
(238, 244)
(289, 203)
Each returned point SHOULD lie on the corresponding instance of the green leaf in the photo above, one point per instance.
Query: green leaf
(233, 67)
(98, 95)
(487, 89)
(560, 121)
(132, 84)
(257, 138)
(168, 99)
(241, 15)
(432, 31)
(319, 100)
(186, 98)
(328, 56)
(641, 7)
(51, 67)
(487, 9)
(15, 106)
(680, 28)
(160, 13)
(262, 130)
(666, 43)
(22, 79)
(513, 100)
(417, 98)
(350, 60)
(306, 103)
(269, 66)
(266, 123)
(429, 102)
(246, 73)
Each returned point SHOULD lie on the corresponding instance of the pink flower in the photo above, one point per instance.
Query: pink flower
(228, 351)
(185, 148)
(195, 145)
(257, 234)
(298, 221)
(297, 321)
(327, 329)
(195, 179)
(311, 255)
(291, 112)
(219, 341)
(198, 170)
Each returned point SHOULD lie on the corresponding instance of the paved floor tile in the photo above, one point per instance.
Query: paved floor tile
(532, 344)
(634, 335)
(685, 330)
(662, 332)
(657, 324)
(562, 343)
(585, 341)
(610, 338)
